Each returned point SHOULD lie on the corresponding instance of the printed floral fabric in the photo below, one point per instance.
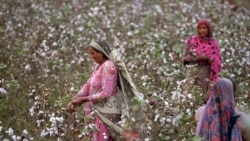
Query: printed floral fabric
(101, 85)
(219, 114)
(208, 47)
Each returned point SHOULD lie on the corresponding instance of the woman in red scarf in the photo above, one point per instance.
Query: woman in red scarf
(203, 50)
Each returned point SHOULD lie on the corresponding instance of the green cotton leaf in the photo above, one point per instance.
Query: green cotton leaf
(19, 53)
(2, 66)
(225, 73)
(196, 139)
(178, 48)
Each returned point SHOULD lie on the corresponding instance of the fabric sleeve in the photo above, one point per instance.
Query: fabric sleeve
(215, 57)
(109, 82)
(186, 46)
(84, 90)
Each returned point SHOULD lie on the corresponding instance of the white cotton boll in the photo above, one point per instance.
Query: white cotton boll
(54, 44)
(19, 138)
(169, 120)
(27, 67)
(51, 132)
(3, 91)
(32, 112)
(232, 75)
(188, 111)
(174, 95)
(33, 90)
(50, 35)
(52, 29)
(149, 128)
(80, 29)
(144, 78)
(72, 89)
(53, 121)
(53, 114)
(38, 122)
(163, 119)
(165, 60)
(191, 103)
(130, 33)
(37, 98)
(25, 132)
(10, 131)
(81, 135)
(61, 26)
(60, 119)
(156, 35)
(156, 117)
(44, 133)
(133, 119)
(158, 9)
(189, 96)
(13, 137)
(154, 94)
(167, 138)
(166, 103)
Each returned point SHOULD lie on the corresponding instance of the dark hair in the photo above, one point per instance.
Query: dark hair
(104, 45)
(105, 57)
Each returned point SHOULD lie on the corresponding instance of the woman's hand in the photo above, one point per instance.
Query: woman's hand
(201, 57)
(70, 107)
(188, 59)
(78, 101)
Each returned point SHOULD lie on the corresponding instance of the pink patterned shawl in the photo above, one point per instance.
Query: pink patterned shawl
(207, 46)
(219, 115)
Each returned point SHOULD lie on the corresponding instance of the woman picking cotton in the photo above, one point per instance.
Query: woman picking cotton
(100, 93)
(203, 51)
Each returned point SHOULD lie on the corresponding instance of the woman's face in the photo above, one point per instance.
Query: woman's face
(97, 56)
(203, 30)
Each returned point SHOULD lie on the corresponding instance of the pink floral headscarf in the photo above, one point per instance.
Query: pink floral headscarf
(207, 46)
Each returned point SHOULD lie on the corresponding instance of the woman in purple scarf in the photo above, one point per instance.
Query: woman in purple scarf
(203, 50)
(218, 121)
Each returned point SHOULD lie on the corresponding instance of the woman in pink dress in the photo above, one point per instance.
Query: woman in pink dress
(107, 93)
(99, 91)
(204, 51)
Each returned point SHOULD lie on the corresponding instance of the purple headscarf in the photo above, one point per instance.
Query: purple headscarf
(219, 117)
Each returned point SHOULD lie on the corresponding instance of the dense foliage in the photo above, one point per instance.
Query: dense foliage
(44, 61)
